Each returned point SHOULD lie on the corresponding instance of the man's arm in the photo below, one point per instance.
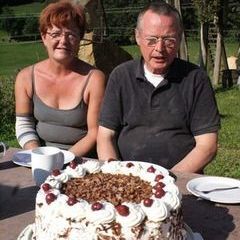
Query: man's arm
(106, 144)
(201, 154)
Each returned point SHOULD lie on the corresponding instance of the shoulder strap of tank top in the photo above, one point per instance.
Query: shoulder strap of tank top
(33, 80)
(86, 82)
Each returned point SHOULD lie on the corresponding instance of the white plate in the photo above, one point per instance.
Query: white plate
(146, 165)
(231, 196)
(23, 158)
(28, 234)
(192, 235)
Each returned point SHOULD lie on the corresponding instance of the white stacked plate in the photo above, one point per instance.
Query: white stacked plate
(216, 189)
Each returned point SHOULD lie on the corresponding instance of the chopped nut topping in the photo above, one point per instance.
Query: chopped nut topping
(116, 189)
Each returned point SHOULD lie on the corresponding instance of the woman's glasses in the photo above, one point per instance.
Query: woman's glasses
(56, 36)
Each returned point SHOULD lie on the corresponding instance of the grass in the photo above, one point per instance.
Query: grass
(227, 161)
(15, 56)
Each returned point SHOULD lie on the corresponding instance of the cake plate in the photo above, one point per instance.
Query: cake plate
(28, 233)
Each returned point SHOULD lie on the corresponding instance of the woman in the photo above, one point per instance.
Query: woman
(58, 99)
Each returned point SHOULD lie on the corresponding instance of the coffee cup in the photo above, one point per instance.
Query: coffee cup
(44, 160)
(3, 149)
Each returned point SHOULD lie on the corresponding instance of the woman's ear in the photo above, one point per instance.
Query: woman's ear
(43, 37)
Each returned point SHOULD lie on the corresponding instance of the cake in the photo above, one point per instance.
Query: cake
(109, 201)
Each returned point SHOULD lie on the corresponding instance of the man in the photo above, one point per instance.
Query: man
(159, 109)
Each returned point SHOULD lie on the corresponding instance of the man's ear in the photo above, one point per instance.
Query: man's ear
(137, 37)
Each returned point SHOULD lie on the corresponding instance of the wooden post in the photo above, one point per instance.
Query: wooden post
(183, 52)
(217, 62)
(203, 44)
(221, 56)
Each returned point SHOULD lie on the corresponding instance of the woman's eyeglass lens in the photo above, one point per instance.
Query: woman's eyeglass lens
(58, 35)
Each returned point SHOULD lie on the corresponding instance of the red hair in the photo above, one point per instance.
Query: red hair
(62, 14)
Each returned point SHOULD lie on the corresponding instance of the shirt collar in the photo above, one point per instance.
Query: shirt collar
(171, 75)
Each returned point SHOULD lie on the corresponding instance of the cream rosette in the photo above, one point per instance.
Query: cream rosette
(77, 172)
(113, 167)
(92, 166)
(104, 215)
(135, 217)
(76, 211)
(172, 200)
(157, 211)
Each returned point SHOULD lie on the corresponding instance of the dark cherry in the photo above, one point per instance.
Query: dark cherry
(71, 201)
(129, 164)
(97, 206)
(56, 172)
(73, 164)
(151, 169)
(159, 185)
(46, 187)
(123, 210)
(147, 202)
(158, 177)
(50, 197)
(159, 193)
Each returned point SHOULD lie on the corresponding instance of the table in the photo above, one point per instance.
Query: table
(17, 204)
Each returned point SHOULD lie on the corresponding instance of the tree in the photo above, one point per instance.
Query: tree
(121, 19)
(206, 11)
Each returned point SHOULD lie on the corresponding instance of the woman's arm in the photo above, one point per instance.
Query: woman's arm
(93, 95)
(25, 125)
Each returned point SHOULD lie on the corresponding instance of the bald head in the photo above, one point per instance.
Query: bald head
(161, 9)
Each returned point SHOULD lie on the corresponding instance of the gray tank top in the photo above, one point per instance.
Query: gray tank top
(60, 128)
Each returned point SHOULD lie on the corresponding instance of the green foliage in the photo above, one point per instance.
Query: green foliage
(206, 9)
(21, 21)
(232, 21)
(5, 23)
(121, 19)
(30, 29)
(7, 110)
(190, 19)
(29, 8)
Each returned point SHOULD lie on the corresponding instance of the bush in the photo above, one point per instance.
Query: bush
(7, 108)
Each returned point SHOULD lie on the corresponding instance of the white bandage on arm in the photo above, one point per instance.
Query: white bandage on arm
(25, 129)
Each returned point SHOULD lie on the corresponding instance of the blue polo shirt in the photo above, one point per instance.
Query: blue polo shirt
(158, 125)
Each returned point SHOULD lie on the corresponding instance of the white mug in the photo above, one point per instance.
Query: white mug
(3, 149)
(43, 161)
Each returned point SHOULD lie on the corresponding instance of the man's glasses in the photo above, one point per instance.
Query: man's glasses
(169, 42)
(56, 36)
